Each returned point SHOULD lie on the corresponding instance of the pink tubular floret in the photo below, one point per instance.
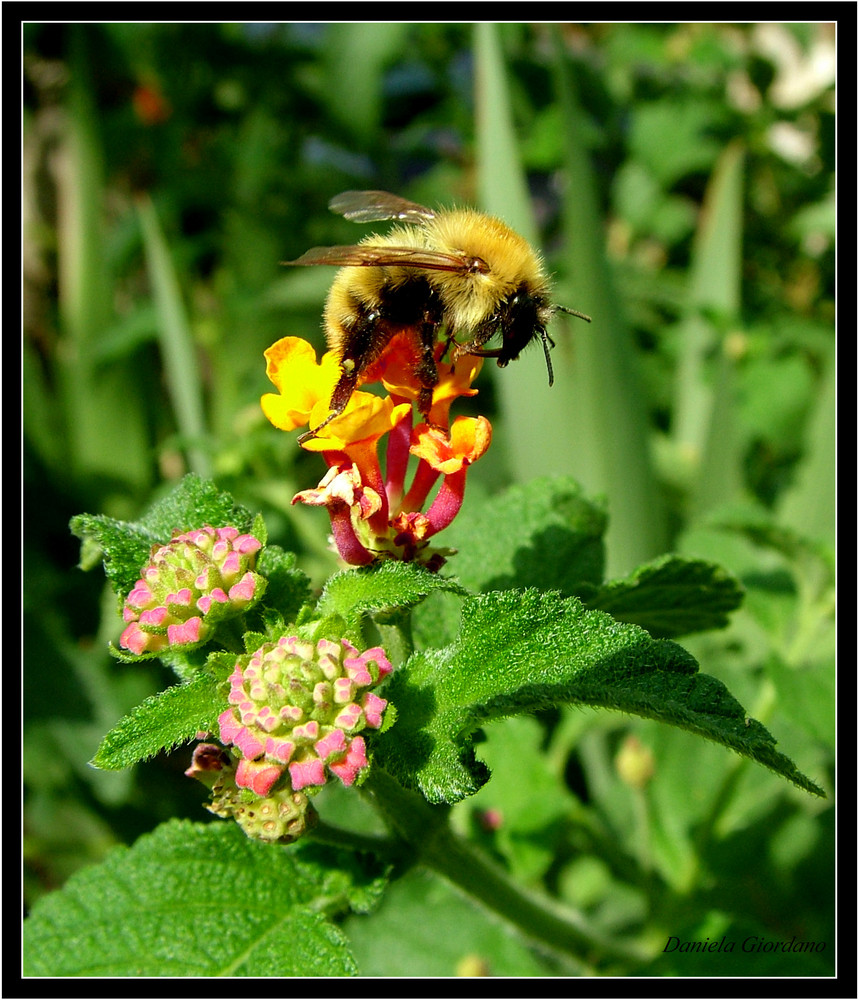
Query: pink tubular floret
(333, 743)
(233, 732)
(307, 772)
(373, 707)
(356, 668)
(153, 616)
(187, 632)
(377, 655)
(348, 769)
(229, 726)
(258, 776)
(244, 589)
(247, 544)
(139, 642)
(348, 717)
(141, 595)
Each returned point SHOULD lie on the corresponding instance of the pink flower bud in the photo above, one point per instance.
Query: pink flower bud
(307, 772)
(333, 743)
(140, 642)
(258, 776)
(197, 580)
(351, 766)
(187, 632)
(373, 707)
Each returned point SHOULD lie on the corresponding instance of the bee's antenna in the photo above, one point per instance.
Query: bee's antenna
(573, 312)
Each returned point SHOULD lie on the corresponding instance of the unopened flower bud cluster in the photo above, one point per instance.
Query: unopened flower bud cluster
(299, 707)
(197, 580)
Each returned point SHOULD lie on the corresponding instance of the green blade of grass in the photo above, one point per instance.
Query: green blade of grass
(104, 417)
(606, 416)
(592, 424)
(356, 55)
(705, 427)
(174, 335)
(502, 191)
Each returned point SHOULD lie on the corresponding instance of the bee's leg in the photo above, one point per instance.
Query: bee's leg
(507, 352)
(360, 345)
(451, 348)
(426, 370)
(339, 398)
(475, 345)
(350, 370)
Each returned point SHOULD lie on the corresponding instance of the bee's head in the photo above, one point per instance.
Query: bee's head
(522, 318)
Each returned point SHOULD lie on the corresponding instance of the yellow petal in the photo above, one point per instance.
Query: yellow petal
(301, 382)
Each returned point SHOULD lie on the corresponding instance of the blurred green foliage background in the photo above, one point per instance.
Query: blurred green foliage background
(680, 181)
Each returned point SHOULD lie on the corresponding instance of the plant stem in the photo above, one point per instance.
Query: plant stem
(386, 848)
(426, 830)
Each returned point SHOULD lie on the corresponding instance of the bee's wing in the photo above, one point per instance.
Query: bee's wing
(364, 255)
(376, 206)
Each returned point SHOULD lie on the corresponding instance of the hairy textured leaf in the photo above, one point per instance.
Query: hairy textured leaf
(672, 596)
(287, 588)
(388, 587)
(201, 900)
(162, 722)
(125, 545)
(542, 534)
(522, 651)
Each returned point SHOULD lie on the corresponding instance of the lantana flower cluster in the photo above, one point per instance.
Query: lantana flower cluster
(297, 709)
(200, 578)
(373, 515)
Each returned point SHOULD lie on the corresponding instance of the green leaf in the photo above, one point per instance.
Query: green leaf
(126, 545)
(522, 651)
(536, 812)
(807, 697)
(162, 722)
(598, 425)
(193, 503)
(542, 534)
(704, 421)
(387, 588)
(287, 588)
(105, 421)
(671, 137)
(672, 596)
(201, 900)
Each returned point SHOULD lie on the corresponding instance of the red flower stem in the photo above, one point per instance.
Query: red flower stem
(350, 549)
(397, 461)
(425, 477)
(446, 505)
(363, 454)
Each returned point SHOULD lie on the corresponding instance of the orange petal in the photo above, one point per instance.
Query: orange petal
(453, 382)
(468, 439)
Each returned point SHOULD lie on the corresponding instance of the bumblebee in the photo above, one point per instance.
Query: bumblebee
(455, 269)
